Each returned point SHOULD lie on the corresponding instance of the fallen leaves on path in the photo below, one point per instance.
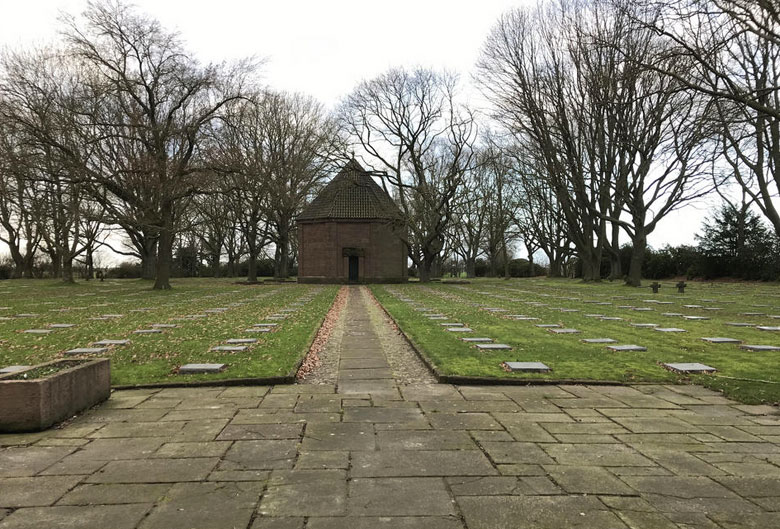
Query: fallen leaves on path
(312, 360)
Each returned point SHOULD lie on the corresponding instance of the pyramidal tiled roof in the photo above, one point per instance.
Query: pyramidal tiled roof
(352, 194)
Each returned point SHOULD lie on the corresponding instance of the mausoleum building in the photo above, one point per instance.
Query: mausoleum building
(352, 232)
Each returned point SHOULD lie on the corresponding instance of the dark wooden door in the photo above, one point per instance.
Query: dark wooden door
(353, 267)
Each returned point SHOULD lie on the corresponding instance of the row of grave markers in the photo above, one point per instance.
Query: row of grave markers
(231, 345)
(684, 367)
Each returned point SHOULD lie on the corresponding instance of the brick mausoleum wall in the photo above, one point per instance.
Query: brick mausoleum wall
(321, 244)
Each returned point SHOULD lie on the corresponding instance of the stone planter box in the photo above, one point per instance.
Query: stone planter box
(34, 404)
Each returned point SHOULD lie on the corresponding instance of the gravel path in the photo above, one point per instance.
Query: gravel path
(406, 365)
(402, 360)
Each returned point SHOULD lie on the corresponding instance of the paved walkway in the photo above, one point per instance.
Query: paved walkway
(370, 452)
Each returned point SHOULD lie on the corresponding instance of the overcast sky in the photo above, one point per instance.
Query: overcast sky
(323, 48)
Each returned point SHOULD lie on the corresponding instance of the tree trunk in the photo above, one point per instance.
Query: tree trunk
(505, 257)
(215, 271)
(591, 264)
(615, 267)
(251, 274)
(634, 278)
(282, 260)
(471, 268)
(425, 268)
(148, 258)
(56, 265)
(18, 259)
(67, 271)
(29, 267)
(162, 280)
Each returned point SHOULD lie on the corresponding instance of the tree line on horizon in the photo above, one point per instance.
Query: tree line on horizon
(605, 116)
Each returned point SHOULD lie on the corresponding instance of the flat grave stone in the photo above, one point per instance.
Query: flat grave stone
(720, 339)
(599, 340)
(86, 351)
(611, 318)
(494, 309)
(642, 309)
(111, 342)
(438, 318)
(477, 340)
(148, 331)
(712, 308)
(451, 324)
(664, 303)
(593, 315)
(696, 318)
(774, 316)
(188, 369)
(163, 325)
(493, 346)
(692, 306)
(266, 325)
(669, 329)
(689, 367)
(753, 314)
(38, 331)
(526, 318)
(644, 325)
(236, 341)
(196, 316)
(528, 367)
(564, 331)
(13, 369)
(757, 348)
(259, 329)
(229, 348)
(673, 314)
(61, 325)
(112, 315)
(626, 307)
(624, 348)
(26, 315)
(459, 329)
(5, 318)
(767, 328)
(569, 310)
(547, 325)
(740, 324)
(603, 303)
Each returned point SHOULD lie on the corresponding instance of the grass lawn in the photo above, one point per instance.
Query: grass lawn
(750, 377)
(154, 357)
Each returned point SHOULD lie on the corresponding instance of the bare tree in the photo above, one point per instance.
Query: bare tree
(540, 220)
(19, 209)
(530, 71)
(732, 48)
(409, 124)
(468, 228)
(135, 119)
